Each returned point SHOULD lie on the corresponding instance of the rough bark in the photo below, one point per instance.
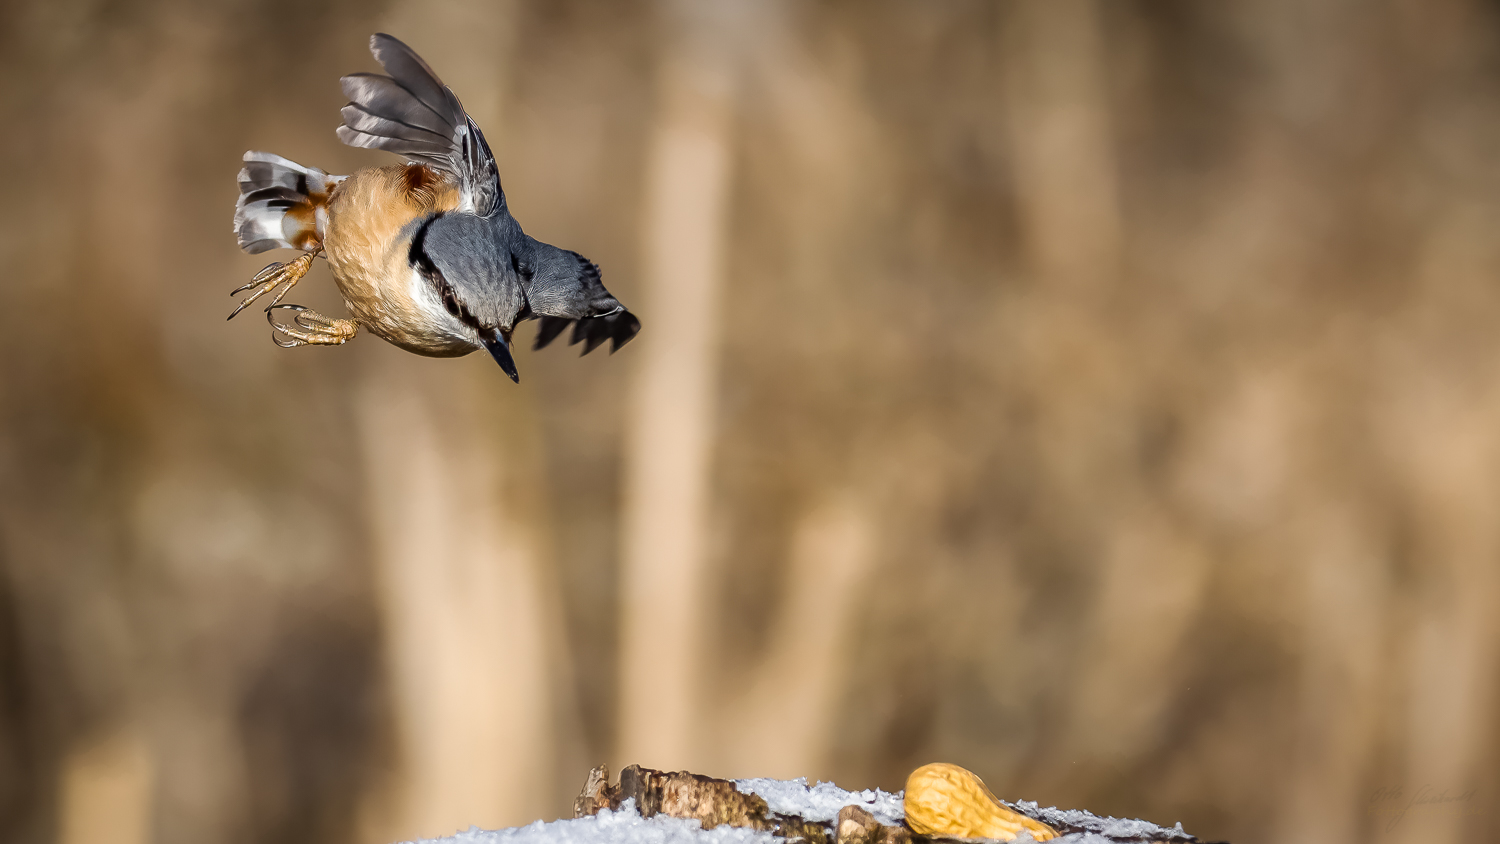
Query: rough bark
(857, 826)
(716, 802)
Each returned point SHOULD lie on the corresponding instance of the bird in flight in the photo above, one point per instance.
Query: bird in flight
(426, 253)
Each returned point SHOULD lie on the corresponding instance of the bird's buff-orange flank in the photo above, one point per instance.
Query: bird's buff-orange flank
(947, 800)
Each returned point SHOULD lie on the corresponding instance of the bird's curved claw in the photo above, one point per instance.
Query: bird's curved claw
(275, 275)
(309, 328)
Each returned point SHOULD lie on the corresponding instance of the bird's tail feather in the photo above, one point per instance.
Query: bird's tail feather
(282, 204)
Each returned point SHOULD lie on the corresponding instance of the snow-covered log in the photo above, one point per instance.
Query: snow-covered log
(657, 807)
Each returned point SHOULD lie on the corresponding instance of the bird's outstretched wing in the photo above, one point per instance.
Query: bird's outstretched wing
(413, 114)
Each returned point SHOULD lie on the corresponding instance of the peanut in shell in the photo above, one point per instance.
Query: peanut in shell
(943, 799)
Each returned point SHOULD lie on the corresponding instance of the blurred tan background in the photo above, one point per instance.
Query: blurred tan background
(1102, 396)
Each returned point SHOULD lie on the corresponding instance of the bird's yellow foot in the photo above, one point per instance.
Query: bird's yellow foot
(284, 276)
(310, 328)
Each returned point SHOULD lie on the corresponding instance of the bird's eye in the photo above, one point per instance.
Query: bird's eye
(450, 302)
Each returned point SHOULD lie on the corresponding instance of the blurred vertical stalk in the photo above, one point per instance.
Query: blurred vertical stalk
(471, 626)
(1337, 715)
(166, 764)
(1067, 201)
(462, 609)
(670, 424)
(106, 791)
(829, 175)
(1064, 169)
(770, 732)
(1440, 426)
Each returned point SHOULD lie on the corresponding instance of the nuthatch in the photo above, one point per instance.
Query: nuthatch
(426, 254)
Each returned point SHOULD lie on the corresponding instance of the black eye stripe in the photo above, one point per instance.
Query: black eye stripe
(417, 256)
(452, 305)
(450, 302)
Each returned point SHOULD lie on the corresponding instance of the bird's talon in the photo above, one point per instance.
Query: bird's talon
(319, 330)
(276, 275)
(275, 300)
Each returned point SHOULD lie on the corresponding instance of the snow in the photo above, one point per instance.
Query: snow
(625, 826)
(819, 803)
(1097, 830)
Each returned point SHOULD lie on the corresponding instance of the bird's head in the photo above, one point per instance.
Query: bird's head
(562, 283)
(474, 278)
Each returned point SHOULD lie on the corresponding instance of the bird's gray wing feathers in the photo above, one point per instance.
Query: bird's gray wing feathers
(618, 329)
(564, 288)
(413, 114)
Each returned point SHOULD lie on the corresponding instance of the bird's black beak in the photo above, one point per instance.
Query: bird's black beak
(499, 346)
